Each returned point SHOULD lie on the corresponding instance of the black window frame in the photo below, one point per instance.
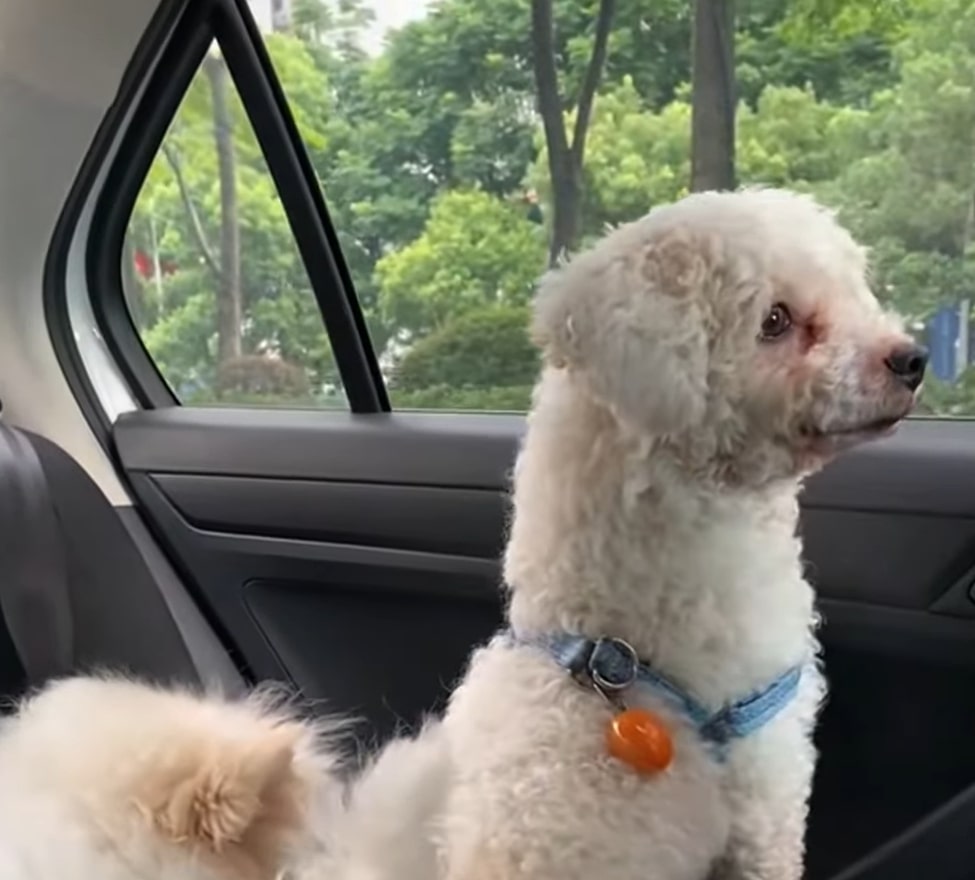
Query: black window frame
(156, 81)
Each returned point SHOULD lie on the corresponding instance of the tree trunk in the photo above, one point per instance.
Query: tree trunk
(566, 178)
(565, 159)
(229, 306)
(713, 96)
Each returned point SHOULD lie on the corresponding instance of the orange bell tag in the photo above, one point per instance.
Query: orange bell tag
(640, 739)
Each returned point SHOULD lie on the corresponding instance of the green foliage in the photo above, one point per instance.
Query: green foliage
(841, 49)
(183, 341)
(475, 250)
(178, 309)
(639, 158)
(426, 153)
(514, 399)
(636, 158)
(485, 348)
(493, 144)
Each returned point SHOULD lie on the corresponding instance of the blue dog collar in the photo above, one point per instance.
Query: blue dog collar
(611, 666)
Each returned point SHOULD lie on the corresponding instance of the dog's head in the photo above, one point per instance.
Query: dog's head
(176, 783)
(737, 329)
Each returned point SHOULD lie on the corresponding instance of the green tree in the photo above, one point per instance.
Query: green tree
(638, 159)
(452, 102)
(475, 251)
(428, 154)
(840, 49)
(910, 191)
(206, 305)
(480, 356)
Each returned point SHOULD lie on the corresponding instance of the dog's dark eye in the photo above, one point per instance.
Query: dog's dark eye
(777, 322)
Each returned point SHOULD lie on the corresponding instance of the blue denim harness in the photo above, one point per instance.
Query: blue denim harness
(612, 666)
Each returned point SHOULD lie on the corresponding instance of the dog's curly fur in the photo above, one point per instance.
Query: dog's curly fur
(655, 500)
(110, 779)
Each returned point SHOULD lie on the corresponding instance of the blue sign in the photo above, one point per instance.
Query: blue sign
(943, 332)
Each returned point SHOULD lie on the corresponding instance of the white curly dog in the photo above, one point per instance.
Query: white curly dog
(698, 364)
(647, 713)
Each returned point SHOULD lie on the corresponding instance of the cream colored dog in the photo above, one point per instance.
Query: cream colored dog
(106, 779)
(698, 364)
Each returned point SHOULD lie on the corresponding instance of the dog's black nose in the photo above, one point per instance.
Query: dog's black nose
(908, 365)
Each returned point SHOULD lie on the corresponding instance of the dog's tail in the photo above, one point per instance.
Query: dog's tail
(244, 797)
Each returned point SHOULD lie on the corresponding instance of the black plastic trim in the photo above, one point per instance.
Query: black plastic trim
(924, 469)
(466, 522)
(56, 312)
(941, 844)
(897, 633)
(471, 451)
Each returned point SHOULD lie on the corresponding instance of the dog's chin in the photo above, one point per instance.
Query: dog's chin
(828, 442)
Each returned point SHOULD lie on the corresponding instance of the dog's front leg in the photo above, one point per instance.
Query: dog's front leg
(769, 783)
(758, 851)
(765, 845)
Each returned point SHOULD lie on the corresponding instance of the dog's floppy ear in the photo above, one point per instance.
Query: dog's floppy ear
(631, 324)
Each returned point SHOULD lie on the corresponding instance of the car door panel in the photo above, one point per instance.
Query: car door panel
(898, 575)
(401, 651)
(358, 556)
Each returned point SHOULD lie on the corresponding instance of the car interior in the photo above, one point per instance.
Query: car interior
(354, 552)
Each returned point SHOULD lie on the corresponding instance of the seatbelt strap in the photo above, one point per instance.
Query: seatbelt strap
(34, 595)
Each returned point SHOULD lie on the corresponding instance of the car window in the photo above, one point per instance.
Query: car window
(211, 272)
(462, 147)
